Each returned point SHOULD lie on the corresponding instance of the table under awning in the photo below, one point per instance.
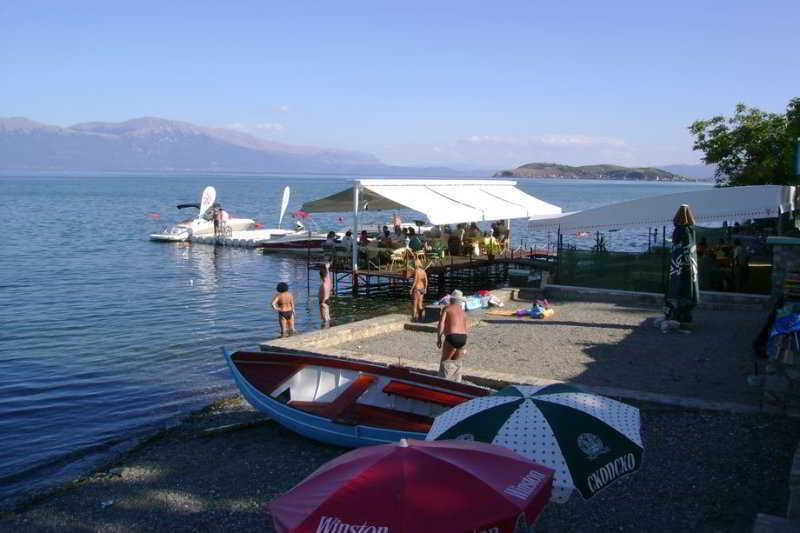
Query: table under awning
(441, 201)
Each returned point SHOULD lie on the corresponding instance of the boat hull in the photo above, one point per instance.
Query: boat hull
(184, 231)
(170, 237)
(313, 245)
(339, 429)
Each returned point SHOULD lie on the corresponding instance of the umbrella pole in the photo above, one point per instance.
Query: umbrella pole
(663, 261)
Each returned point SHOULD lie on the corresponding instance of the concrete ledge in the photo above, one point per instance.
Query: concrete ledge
(332, 336)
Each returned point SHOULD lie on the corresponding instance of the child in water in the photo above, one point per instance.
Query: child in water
(283, 303)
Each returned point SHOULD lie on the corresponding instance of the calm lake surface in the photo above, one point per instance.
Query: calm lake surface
(107, 337)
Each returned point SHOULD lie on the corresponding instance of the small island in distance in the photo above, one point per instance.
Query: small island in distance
(599, 172)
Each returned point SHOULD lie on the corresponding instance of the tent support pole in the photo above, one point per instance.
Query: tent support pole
(354, 242)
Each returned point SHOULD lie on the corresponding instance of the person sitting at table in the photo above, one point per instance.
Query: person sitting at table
(702, 246)
(329, 246)
(720, 252)
(489, 242)
(434, 233)
(740, 266)
(454, 244)
(363, 240)
(347, 241)
(414, 241)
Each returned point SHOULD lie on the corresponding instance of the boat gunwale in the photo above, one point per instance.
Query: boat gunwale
(390, 371)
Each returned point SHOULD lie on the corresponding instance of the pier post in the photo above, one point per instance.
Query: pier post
(354, 243)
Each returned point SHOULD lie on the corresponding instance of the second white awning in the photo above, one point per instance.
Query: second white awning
(725, 203)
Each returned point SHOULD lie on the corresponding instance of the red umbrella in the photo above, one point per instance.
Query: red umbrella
(417, 486)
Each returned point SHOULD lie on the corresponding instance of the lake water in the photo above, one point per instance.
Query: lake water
(107, 337)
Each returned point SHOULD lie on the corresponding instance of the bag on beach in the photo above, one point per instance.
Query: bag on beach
(473, 302)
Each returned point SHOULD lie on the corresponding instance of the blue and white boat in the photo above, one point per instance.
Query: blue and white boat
(343, 402)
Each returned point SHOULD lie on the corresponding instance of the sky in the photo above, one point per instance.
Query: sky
(466, 84)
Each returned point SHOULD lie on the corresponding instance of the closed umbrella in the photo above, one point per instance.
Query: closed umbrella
(589, 440)
(683, 291)
(417, 486)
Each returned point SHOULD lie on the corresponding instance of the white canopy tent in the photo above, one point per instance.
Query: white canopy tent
(725, 203)
(441, 201)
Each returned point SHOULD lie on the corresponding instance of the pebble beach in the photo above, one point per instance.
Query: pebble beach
(703, 470)
(600, 344)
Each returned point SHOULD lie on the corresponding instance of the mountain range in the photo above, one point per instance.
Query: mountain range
(151, 144)
(156, 144)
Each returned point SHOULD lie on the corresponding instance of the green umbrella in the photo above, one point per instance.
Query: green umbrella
(683, 292)
(589, 440)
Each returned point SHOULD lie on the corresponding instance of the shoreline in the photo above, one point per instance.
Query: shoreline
(702, 471)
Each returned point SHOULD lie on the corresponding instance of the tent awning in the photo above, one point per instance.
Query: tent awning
(725, 203)
(442, 201)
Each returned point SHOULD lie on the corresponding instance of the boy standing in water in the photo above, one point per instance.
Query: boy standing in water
(325, 290)
(283, 303)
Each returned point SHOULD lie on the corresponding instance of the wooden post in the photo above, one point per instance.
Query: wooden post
(354, 241)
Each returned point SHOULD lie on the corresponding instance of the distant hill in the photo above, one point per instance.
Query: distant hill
(600, 172)
(156, 144)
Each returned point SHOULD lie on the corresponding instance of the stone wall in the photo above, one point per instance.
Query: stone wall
(785, 258)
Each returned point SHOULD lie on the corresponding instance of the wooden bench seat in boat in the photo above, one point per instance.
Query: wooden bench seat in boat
(370, 415)
(347, 398)
(410, 390)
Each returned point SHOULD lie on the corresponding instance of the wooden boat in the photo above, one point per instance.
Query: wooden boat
(343, 402)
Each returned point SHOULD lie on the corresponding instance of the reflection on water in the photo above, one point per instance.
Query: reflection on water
(205, 262)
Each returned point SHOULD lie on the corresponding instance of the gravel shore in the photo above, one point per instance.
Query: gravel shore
(604, 345)
(702, 471)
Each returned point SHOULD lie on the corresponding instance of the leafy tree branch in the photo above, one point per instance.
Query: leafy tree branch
(751, 147)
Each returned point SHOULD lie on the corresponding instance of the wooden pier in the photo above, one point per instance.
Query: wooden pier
(467, 273)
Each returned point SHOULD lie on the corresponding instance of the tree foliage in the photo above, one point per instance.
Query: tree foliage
(752, 147)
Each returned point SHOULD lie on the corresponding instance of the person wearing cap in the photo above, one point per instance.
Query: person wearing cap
(452, 336)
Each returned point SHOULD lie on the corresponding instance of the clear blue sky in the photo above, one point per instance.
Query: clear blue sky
(461, 83)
